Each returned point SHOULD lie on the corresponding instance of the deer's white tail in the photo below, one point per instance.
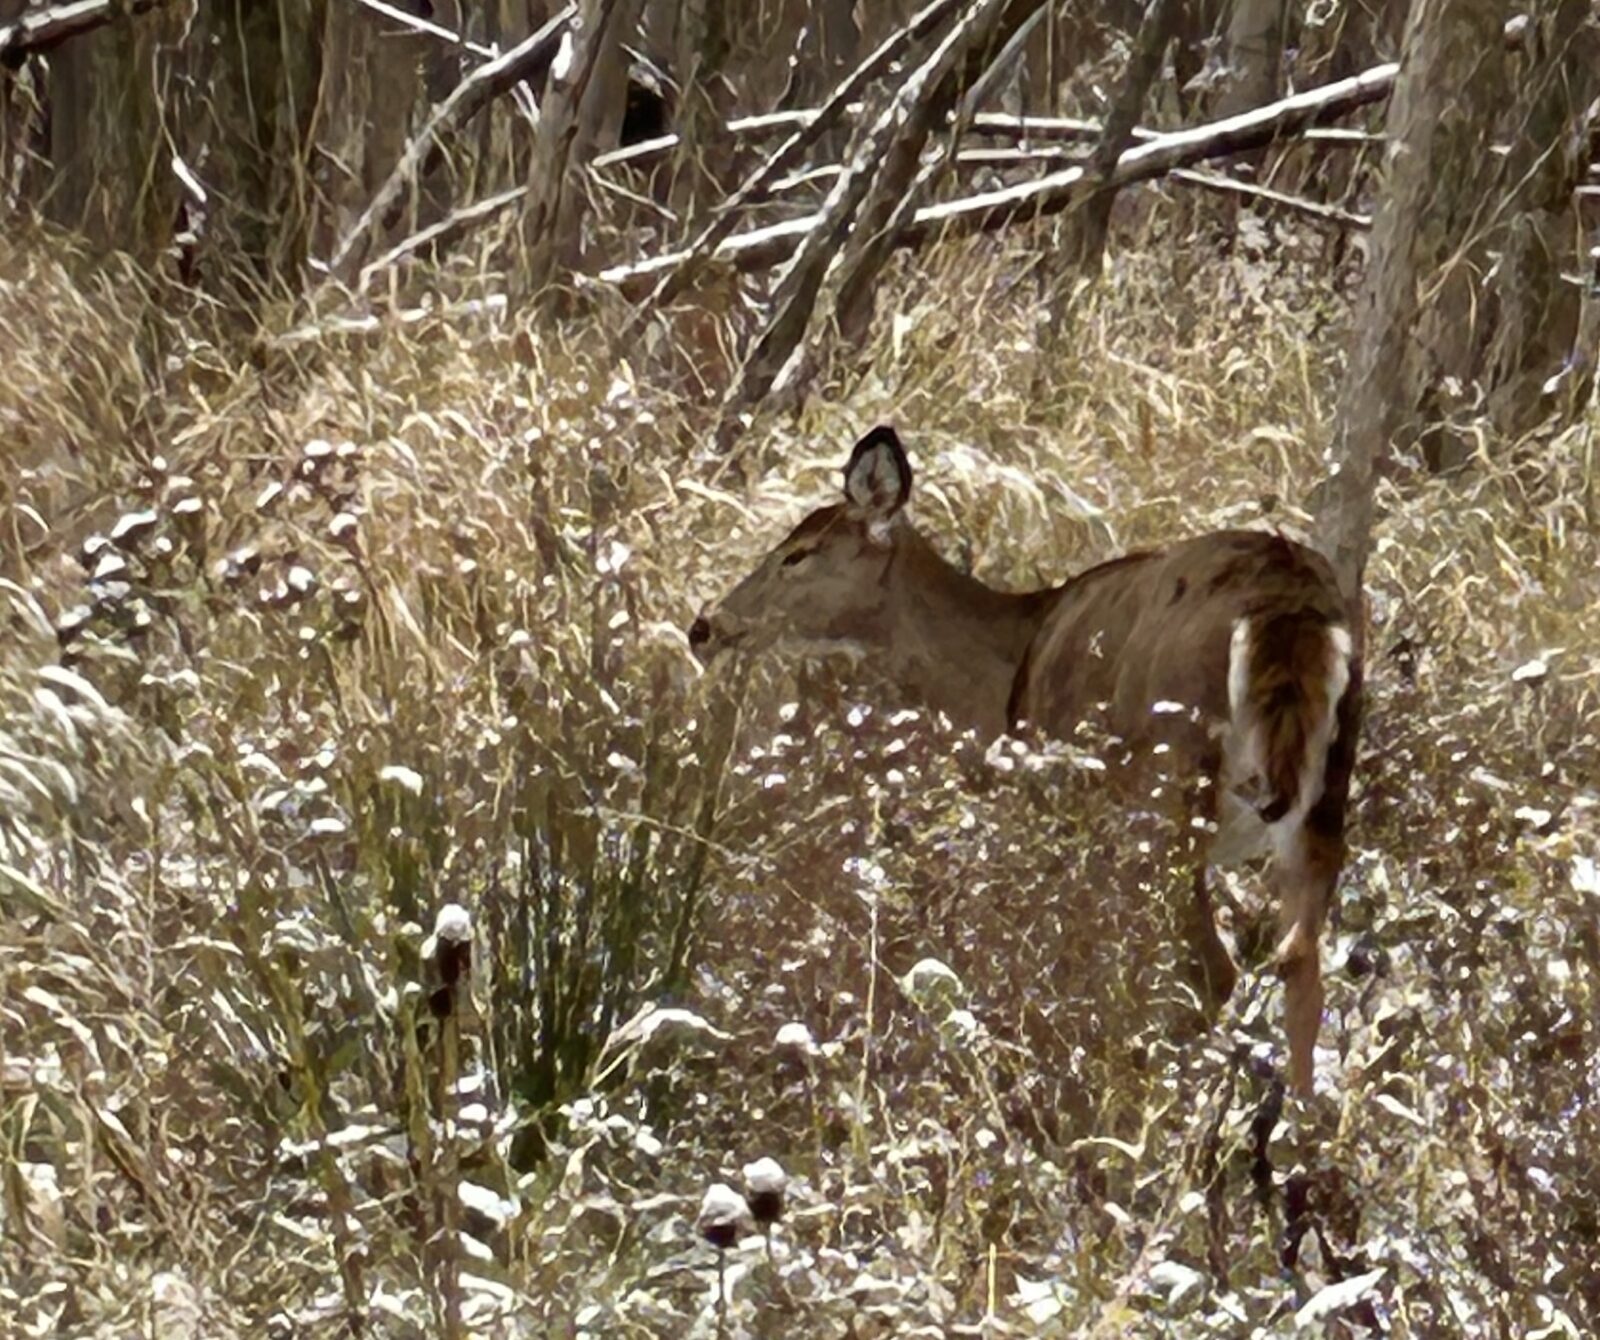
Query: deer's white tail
(1286, 675)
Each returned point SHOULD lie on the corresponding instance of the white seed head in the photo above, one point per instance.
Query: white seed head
(453, 924)
(930, 982)
(722, 1207)
(797, 1035)
(765, 1176)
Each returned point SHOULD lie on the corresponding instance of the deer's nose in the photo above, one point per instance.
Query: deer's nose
(699, 633)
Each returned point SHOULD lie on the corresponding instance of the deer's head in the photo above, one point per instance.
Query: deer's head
(825, 587)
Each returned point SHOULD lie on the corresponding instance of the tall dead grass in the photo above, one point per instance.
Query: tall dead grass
(308, 640)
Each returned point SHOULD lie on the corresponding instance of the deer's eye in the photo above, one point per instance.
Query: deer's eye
(796, 555)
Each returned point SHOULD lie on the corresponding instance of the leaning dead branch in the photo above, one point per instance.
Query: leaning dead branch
(902, 184)
(40, 30)
(1057, 191)
(926, 21)
(888, 151)
(526, 60)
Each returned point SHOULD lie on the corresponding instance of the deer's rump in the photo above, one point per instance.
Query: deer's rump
(1231, 650)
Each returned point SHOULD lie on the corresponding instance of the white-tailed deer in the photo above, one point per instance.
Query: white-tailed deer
(1233, 650)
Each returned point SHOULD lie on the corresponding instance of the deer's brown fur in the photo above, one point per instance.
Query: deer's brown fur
(1227, 662)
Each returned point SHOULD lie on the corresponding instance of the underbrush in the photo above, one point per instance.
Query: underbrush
(306, 642)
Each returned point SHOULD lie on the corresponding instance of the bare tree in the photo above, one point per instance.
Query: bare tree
(1441, 116)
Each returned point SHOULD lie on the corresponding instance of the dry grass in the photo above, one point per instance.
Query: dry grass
(414, 641)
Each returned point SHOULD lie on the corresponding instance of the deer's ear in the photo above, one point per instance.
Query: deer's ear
(877, 481)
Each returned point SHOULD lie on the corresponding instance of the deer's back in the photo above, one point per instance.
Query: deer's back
(1155, 628)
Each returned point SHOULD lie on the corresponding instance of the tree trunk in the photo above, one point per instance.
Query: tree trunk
(1086, 236)
(1536, 311)
(257, 65)
(109, 175)
(1440, 117)
(582, 106)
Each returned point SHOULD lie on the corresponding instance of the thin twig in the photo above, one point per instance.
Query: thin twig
(1215, 181)
(428, 29)
(457, 223)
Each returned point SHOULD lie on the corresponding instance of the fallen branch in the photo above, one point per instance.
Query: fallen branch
(454, 225)
(525, 60)
(774, 243)
(39, 30)
(1212, 181)
(1156, 157)
(996, 125)
(1264, 195)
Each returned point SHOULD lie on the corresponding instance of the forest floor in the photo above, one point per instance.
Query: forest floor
(307, 638)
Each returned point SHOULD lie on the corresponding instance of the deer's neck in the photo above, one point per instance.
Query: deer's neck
(955, 642)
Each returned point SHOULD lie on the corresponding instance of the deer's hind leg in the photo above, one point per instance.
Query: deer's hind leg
(1306, 867)
(1214, 969)
(1306, 870)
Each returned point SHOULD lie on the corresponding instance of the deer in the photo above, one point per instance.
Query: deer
(1229, 660)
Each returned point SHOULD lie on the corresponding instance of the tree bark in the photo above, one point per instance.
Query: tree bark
(1440, 118)
(1255, 55)
(109, 177)
(1536, 311)
(584, 101)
